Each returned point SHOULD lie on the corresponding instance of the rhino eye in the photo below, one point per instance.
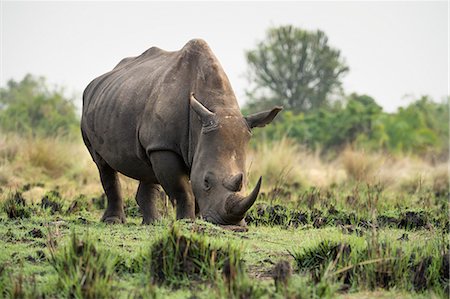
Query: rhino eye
(207, 182)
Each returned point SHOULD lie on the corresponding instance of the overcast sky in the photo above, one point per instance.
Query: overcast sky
(393, 49)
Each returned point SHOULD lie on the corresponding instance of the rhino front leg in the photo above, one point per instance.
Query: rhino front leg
(172, 174)
(114, 211)
(146, 197)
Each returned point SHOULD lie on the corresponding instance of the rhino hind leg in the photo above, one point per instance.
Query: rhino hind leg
(110, 181)
(172, 174)
(146, 197)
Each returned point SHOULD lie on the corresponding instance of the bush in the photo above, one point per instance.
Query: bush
(421, 128)
(29, 107)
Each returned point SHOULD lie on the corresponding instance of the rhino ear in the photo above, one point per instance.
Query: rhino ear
(261, 119)
(202, 112)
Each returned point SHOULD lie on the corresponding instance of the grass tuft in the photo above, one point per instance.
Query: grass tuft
(282, 273)
(377, 264)
(83, 270)
(180, 257)
(15, 206)
(52, 201)
(80, 203)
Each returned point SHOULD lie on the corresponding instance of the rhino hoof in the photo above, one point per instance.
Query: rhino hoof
(149, 221)
(113, 220)
(235, 228)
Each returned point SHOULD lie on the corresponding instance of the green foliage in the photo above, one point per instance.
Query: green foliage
(131, 208)
(29, 107)
(420, 128)
(294, 68)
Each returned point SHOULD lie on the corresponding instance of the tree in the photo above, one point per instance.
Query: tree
(294, 68)
(29, 107)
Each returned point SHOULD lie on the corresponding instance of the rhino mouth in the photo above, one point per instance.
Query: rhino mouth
(235, 208)
(214, 218)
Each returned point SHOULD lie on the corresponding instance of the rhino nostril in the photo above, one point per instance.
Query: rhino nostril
(234, 183)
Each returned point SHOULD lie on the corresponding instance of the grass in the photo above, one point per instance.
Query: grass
(361, 225)
(378, 263)
(83, 270)
(180, 258)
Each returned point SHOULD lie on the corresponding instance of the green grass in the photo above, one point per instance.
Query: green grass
(348, 238)
(125, 253)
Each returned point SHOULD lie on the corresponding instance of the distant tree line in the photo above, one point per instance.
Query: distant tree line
(420, 128)
(291, 67)
(28, 107)
(299, 70)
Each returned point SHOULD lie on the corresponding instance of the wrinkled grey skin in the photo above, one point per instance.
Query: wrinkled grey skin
(171, 119)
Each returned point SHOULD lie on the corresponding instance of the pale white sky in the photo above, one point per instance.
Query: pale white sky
(392, 48)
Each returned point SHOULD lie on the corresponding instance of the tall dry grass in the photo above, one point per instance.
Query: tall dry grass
(53, 162)
(66, 164)
(286, 163)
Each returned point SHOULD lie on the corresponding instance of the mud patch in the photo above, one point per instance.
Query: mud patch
(275, 215)
(414, 219)
(29, 186)
(278, 215)
(36, 233)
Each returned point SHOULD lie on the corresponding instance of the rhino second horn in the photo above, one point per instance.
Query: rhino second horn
(203, 112)
(234, 183)
(240, 205)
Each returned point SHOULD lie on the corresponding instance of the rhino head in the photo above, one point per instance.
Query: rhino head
(218, 173)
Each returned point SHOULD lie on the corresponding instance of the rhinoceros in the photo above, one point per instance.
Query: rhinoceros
(171, 119)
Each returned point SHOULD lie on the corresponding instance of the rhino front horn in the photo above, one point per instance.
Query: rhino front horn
(239, 205)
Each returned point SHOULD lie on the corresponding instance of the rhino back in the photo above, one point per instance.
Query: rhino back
(142, 105)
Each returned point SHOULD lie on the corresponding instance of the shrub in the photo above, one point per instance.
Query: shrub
(29, 107)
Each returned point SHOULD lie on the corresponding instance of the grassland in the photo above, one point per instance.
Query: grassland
(357, 225)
